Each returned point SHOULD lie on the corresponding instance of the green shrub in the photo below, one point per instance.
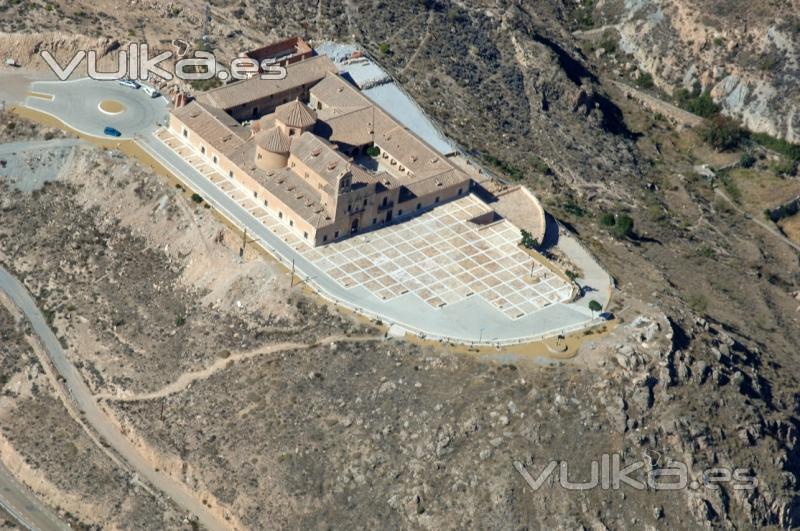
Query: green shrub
(747, 160)
(608, 219)
(645, 80)
(574, 208)
(777, 144)
(527, 239)
(384, 48)
(785, 167)
(197, 198)
(696, 102)
(623, 227)
(721, 133)
(540, 166)
(373, 151)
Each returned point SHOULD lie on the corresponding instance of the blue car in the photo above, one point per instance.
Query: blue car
(110, 131)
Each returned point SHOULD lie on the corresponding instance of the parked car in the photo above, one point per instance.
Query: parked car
(150, 91)
(129, 83)
(607, 316)
(110, 131)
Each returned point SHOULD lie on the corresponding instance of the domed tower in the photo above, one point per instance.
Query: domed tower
(272, 149)
(295, 117)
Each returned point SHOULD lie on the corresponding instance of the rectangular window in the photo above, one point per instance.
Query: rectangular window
(436, 200)
(459, 191)
(400, 212)
(305, 235)
(280, 215)
(266, 203)
(291, 223)
(215, 159)
(255, 194)
(336, 234)
(374, 221)
(419, 206)
(230, 174)
(325, 238)
(365, 202)
(185, 133)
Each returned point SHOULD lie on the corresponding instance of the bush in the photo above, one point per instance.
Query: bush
(373, 151)
(785, 167)
(608, 219)
(384, 48)
(777, 144)
(645, 80)
(528, 240)
(696, 102)
(540, 166)
(197, 198)
(623, 227)
(722, 133)
(747, 160)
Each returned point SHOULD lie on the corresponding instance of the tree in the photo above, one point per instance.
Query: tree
(384, 48)
(527, 239)
(595, 307)
(373, 151)
(722, 133)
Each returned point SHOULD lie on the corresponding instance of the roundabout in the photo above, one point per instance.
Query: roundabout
(111, 107)
(89, 106)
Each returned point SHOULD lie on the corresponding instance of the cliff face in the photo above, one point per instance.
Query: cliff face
(746, 54)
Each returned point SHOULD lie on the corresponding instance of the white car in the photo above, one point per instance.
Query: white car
(129, 83)
(153, 93)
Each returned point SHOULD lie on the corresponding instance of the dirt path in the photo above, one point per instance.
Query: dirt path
(188, 378)
(210, 514)
(771, 229)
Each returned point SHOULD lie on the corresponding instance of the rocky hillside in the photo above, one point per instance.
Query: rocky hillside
(508, 81)
(746, 54)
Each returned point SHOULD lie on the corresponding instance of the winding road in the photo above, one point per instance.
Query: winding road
(95, 417)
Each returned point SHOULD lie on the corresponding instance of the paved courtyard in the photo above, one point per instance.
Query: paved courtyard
(443, 258)
(440, 255)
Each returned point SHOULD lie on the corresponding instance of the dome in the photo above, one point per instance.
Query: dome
(273, 140)
(295, 114)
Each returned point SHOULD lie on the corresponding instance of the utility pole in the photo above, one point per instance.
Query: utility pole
(245, 241)
(291, 276)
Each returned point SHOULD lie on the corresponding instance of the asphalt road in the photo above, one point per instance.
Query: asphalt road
(77, 103)
(93, 415)
(23, 505)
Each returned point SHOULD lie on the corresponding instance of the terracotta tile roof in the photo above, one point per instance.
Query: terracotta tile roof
(274, 140)
(349, 116)
(320, 157)
(215, 127)
(354, 128)
(296, 114)
(286, 185)
(305, 72)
